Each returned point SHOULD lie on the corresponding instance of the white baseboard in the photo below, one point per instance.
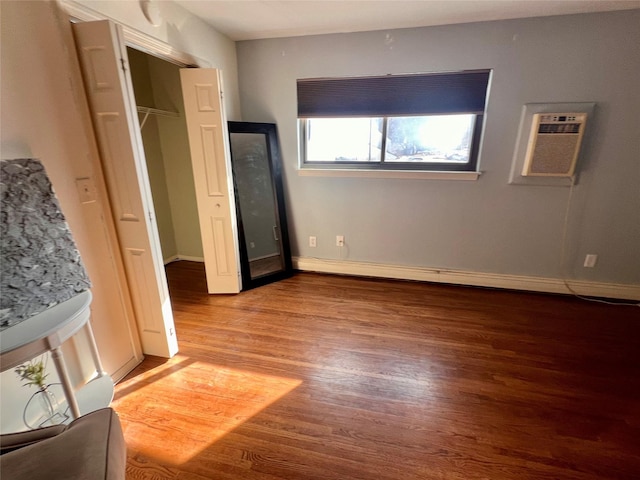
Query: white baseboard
(458, 277)
(176, 258)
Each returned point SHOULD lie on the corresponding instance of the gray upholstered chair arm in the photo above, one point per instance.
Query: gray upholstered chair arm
(91, 447)
(13, 441)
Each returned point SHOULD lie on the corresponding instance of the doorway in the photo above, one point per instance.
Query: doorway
(108, 85)
(104, 59)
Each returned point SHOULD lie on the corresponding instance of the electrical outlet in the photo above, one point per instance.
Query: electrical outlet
(313, 241)
(590, 260)
(339, 240)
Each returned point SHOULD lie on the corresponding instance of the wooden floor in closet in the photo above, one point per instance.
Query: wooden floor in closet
(332, 377)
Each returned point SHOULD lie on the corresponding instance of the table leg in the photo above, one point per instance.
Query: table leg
(58, 360)
(94, 349)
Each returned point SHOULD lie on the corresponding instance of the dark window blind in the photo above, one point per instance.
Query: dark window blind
(394, 95)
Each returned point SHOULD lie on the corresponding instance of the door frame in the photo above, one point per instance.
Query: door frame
(100, 49)
(134, 38)
(137, 40)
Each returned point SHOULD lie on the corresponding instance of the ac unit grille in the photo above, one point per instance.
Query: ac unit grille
(565, 128)
(554, 144)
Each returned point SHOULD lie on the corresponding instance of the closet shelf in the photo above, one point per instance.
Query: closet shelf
(157, 111)
(154, 111)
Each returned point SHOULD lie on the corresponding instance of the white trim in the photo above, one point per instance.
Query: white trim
(81, 12)
(363, 173)
(176, 258)
(458, 277)
(125, 369)
(133, 37)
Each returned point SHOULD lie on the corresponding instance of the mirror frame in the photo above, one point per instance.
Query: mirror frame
(270, 132)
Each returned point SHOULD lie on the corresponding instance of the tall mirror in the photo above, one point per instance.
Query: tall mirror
(265, 255)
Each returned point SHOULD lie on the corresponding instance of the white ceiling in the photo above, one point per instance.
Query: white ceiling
(255, 19)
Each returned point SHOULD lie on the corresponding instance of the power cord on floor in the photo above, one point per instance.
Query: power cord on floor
(563, 259)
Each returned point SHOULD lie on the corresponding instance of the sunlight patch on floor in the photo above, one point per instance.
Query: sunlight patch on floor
(192, 403)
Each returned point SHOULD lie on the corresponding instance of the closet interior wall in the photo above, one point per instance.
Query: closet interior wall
(156, 85)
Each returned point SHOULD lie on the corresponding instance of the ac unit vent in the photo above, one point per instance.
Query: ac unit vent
(554, 144)
(558, 128)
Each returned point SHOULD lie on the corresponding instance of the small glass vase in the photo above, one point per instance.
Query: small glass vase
(43, 409)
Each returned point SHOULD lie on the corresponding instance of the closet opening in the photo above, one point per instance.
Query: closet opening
(161, 115)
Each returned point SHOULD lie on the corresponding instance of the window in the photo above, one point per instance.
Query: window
(395, 122)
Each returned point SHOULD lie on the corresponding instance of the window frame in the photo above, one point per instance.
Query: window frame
(470, 166)
(439, 166)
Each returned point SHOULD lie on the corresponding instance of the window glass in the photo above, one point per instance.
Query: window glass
(343, 139)
(436, 138)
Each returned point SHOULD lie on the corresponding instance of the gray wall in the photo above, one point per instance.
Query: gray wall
(485, 225)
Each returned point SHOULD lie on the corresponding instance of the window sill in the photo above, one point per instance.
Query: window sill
(412, 174)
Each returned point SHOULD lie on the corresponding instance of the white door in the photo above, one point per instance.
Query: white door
(210, 157)
(103, 60)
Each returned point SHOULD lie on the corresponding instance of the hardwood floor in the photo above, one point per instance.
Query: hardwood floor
(328, 377)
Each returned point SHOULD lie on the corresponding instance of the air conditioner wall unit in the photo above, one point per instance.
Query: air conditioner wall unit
(554, 144)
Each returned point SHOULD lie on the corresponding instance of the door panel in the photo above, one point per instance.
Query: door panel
(103, 61)
(210, 158)
(110, 132)
(214, 171)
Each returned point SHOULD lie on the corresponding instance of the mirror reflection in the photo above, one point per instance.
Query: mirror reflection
(264, 247)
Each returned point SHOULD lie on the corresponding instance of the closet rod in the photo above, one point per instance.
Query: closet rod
(154, 111)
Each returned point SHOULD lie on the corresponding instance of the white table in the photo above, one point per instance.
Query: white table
(46, 332)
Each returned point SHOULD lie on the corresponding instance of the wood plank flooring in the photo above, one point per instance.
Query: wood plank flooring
(329, 377)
